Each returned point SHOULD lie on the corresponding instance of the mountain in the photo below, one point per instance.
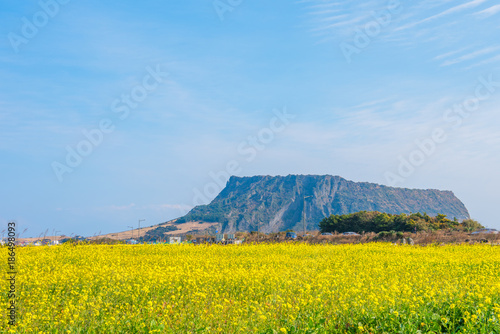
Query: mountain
(278, 203)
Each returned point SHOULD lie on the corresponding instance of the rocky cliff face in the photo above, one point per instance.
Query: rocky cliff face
(278, 203)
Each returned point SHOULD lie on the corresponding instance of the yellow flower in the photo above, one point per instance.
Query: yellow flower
(249, 288)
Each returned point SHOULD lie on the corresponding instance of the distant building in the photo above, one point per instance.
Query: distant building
(486, 231)
(219, 237)
(174, 240)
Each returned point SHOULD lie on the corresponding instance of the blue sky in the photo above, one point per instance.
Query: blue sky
(397, 93)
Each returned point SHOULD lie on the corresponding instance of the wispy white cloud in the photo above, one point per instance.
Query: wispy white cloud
(467, 5)
(448, 54)
(489, 11)
(338, 18)
(495, 59)
(470, 56)
(426, 22)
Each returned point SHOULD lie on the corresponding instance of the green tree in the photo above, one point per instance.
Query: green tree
(470, 225)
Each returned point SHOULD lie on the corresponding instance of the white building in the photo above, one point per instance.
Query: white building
(174, 240)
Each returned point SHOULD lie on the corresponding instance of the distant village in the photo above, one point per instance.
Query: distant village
(480, 235)
(219, 238)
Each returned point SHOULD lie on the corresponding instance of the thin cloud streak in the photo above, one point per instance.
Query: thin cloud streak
(489, 11)
(452, 10)
(470, 56)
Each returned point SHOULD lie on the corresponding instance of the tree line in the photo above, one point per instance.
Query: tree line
(374, 221)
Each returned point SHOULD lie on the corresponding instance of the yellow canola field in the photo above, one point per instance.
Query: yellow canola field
(261, 288)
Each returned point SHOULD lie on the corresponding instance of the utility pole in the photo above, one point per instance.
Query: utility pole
(304, 215)
(140, 220)
(132, 231)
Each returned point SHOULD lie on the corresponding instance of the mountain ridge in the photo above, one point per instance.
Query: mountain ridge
(278, 203)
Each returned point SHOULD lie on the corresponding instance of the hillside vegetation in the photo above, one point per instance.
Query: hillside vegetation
(378, 222)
